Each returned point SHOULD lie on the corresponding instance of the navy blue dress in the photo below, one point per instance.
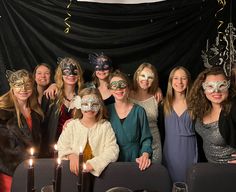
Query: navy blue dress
(180, 145)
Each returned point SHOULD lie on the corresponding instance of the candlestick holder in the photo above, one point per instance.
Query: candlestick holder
(53, 183)
(79, 187)
(58, 176)
(55, 156)
(81, 159)
(30, 177)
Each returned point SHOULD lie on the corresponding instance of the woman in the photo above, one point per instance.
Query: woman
(102, 68)
(212, 104)
(130, 124)
(20, 120)
(176, 127)
(145, 86)
(69, 81)
(42, 75)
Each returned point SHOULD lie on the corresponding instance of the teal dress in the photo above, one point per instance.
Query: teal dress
(133, 134)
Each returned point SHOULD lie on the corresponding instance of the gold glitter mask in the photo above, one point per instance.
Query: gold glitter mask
(19, 80)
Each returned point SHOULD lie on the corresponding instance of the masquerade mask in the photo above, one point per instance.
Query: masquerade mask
(68, 66)
(19, 80)
(146, 76)
(69, 69)
(216, 86)
(100, 62)
(90, 103)
(121, 84)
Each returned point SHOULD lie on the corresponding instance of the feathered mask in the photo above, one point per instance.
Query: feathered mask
(100, 61)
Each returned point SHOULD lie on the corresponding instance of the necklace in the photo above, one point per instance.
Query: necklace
(69, 100)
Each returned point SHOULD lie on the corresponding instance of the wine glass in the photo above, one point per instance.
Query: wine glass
(47, 188)
(180, 187)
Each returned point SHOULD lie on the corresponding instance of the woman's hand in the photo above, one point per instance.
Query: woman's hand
(143, 161)
(74, 163)
(158, 95)
(233, 161)
(89, 168)
(51, 91)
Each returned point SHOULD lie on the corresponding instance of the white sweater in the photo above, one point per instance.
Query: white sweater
(101, 139)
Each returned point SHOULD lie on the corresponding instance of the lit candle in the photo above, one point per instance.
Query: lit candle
(32, 153)
(55, 155)
(79, 184)
(84, 178)
(58, 176)
(30, 179)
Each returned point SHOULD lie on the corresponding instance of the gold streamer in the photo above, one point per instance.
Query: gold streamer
(66, 20)
(222, 3)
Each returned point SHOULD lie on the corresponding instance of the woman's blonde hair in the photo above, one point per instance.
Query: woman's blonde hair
(9, 102)
(155, 84)
(168, 101)
(102, 113)
(60, 83)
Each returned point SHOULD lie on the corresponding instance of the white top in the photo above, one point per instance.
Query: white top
(151, 107)
(101, 139)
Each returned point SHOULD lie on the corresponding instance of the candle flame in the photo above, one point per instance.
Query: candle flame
(84, 167)
(80, 149)
(31, 151)
(58, 161)
(30, 162)
(55, 147)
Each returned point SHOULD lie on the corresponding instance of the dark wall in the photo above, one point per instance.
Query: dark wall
(165, 34)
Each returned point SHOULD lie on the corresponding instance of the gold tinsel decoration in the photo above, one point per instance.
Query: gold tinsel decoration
(67, 19)
(221, 3)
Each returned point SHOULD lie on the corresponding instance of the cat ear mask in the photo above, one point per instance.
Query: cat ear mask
(14, 77)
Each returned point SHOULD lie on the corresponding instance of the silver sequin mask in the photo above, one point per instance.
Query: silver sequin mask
(216, 86)
(90, 103)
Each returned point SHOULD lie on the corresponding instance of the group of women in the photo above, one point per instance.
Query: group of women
(111, 120)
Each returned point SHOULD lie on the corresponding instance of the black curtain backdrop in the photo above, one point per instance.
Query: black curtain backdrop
(166, 34)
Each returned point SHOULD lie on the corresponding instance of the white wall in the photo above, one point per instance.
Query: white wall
(123, 1)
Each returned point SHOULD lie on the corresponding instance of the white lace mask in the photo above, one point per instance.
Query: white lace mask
(216, 86)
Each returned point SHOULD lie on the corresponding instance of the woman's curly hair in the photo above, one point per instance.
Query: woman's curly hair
(198, 104)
